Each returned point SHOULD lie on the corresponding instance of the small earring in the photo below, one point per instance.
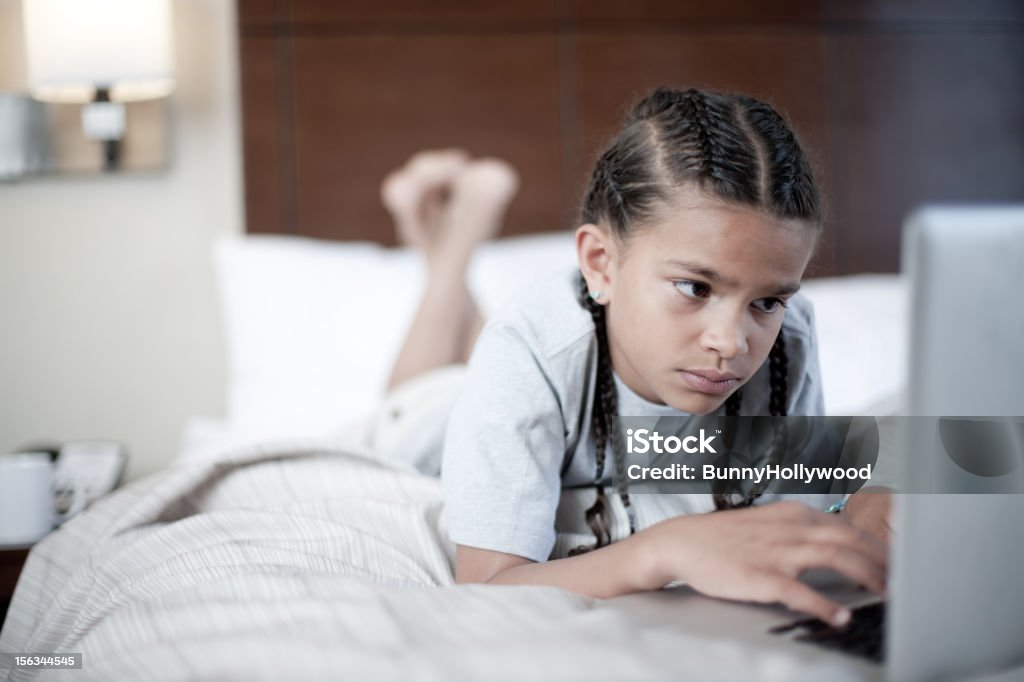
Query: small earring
(596, 295)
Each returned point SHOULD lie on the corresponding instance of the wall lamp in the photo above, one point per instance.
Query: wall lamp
(100, 53)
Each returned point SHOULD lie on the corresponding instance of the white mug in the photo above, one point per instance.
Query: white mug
(27, 498)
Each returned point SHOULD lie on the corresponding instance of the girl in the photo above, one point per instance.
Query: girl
(697, 225)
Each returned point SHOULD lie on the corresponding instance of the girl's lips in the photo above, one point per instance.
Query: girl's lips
(710, 382)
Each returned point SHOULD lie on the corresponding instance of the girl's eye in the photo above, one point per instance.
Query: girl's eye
(693, 289)
(769, 305)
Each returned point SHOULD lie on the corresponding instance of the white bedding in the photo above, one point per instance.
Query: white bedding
(277, 563)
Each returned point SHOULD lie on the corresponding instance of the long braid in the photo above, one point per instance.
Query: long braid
(778, 368)
(720, 489)
(604, 409)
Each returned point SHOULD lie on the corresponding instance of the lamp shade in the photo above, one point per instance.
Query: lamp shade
(74, 47)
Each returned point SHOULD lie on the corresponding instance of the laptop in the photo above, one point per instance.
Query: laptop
(956, 584)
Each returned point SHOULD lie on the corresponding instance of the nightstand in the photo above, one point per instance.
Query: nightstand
(11, 561)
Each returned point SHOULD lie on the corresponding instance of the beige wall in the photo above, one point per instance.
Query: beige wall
(109, 320)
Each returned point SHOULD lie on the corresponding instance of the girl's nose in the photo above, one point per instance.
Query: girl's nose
(725, 334)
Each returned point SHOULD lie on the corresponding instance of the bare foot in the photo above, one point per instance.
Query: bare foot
(417, 193)
(480, 196)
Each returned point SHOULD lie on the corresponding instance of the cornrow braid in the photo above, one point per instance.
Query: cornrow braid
(616, 202)
(697, 109)
(725, 156)
(787, 167)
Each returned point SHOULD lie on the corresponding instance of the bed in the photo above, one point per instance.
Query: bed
(279, 546)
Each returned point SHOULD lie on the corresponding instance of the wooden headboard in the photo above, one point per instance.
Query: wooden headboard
(899, 103)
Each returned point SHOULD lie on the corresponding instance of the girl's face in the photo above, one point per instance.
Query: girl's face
(695, 299)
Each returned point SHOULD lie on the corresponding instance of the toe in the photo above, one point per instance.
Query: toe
(399, 194)
(437, 166)
(493, 178)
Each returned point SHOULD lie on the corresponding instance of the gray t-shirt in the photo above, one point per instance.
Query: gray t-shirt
(519, 455)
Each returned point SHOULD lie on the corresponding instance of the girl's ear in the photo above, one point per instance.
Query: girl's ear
(596, 250)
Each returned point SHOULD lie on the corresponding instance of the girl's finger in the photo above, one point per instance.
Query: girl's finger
(858, 567)
(850, 536)
(796, 596)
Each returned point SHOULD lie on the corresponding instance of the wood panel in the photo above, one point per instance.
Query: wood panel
(374, 14)
(896, 102)
(786, 69)
(921, 14)
(922, 118)
(659, 12)
(268, 185)
(365, 103)
(254, 14)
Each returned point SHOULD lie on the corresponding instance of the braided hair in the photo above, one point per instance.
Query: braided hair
(732, 147)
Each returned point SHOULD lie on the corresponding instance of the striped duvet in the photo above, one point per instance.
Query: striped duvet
(286, 563)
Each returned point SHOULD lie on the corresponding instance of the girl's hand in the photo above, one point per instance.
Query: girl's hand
(756, 554)
(869, 510)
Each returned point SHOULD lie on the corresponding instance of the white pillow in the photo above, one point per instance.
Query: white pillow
(313, 327)
(863, 327)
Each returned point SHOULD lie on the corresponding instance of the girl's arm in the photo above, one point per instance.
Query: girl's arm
(608, 572)
(753, 554)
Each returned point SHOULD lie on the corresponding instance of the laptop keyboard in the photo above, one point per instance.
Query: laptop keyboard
(862, 636)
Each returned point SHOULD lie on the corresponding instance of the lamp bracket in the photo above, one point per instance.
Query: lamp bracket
(103, 120)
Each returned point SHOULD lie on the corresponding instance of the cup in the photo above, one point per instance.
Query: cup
(28, 503)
